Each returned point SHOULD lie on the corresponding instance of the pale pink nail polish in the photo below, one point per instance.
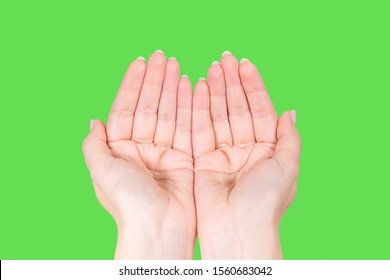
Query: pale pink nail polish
(91, 124)
(226, 52)
(293, 115)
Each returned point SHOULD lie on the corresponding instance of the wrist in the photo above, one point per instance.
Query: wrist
(140, 242)
(249, 243)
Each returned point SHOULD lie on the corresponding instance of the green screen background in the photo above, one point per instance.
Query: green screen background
(61, 64)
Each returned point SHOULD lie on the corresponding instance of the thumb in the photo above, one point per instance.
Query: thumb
(95, 149)
(288, 147)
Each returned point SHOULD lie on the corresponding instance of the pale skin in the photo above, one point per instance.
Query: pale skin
(170, 166)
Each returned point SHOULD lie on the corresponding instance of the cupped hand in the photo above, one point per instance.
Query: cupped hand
(142, 164)
(246, 163)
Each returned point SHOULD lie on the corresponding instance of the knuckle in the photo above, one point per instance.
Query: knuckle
(238, 109)
(146, 110)
(219, 116)
(167, 116)
(259, 113)
(123, 113)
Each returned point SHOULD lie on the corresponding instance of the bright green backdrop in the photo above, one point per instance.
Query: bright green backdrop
(61, 64)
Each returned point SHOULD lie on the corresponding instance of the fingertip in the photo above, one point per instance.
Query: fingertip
(287, 116)
(293, 116)
(157, 57)
(226, 53)
(284, 119)
(215, 71)
(286, 125)
(98, 129)
(95, 133)
(95, 149)
(201, 95)
(137, 67)
(97, 123)
(229, 61)
(288, 147)
(247, 69)
(91, 124)
(139, 61)
(230, 66)
(184, 85)
(173, 65)
(201, 86)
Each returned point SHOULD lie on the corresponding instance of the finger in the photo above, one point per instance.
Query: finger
(239, 115)
(218, 107)
(183, 138)
(145, 118)
(120, 119)
(202, 129)
(288, 147)
(166, 120)
(96, 152)
(263, 112)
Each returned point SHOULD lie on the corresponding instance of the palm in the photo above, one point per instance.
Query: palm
(162, 187)
(238, 190)
(170, 169)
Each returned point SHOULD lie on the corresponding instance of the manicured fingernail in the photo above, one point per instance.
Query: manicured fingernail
(293, 115)
(215, 62)
(226, 52)
(202, 79)
(91, 124)
(173, 58)
(243, 60)
(141, 58)
(159, 51)
(184, 76)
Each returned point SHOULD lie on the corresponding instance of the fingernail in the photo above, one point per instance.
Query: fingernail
(159, 51)
(141, 58)
(173, 58)
(184, 76)
(293, 115)
(91, 124)
(226, 52)
(243, 60)
(215, 62)
(202, 79)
